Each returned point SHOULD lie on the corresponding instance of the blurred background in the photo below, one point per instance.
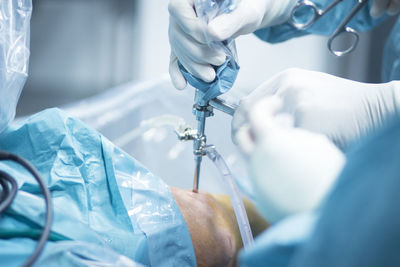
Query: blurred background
(80, 48)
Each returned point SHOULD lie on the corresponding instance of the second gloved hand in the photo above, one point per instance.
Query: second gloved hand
(341, 109)
(188, 42)
(291, 169)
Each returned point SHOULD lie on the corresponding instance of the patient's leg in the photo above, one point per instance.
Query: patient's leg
(213, 227)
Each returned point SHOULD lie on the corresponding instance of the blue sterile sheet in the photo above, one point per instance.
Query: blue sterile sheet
(107, 206)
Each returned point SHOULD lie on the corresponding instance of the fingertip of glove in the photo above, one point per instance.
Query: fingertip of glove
(177, 79)
(220, 59)
(209, 75)
(181, 87)
(179, 82)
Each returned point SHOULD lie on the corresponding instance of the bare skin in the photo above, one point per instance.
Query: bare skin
(213, 227)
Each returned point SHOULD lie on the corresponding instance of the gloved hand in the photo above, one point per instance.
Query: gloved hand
(392, 7)
(341, 109)
(188, 42)
(291, 169)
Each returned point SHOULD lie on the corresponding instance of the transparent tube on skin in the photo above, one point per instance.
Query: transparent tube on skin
(233, 191)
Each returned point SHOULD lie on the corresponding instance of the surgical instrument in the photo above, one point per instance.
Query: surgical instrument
(341, 30)
(223, 105)
(202, 110)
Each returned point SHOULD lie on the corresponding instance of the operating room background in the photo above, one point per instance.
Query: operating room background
(80, 48)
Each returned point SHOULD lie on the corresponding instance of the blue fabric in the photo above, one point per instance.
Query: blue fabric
(225, 78)
(329, 22)
(358, 225)
(391, 56)
(277, 246)
(101, 196)
(325, 25)
(63, 253)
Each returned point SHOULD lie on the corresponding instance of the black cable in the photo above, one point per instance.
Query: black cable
(9, 188)
(7, 196)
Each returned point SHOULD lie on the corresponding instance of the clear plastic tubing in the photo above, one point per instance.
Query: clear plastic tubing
(234, 194)
(161, 121)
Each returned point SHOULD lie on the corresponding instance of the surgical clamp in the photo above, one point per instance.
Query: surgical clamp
(341, 30)
(202, 111)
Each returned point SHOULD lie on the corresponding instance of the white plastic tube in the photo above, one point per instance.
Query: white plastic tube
(234, 194)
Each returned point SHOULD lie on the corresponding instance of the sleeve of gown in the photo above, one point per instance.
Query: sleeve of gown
(325, 25)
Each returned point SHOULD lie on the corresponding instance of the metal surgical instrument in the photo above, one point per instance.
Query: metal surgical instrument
(341, 30)
(202, 111)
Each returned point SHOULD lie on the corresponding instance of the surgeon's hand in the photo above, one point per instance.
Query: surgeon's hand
(341, 109)
(391, 7)
(291, 169)
(187, 39)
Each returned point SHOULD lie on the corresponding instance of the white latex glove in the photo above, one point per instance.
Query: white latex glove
(291, 169)
(188, 42)
(391, 7)
(341, 109)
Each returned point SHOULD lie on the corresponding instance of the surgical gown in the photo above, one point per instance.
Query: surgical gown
(328, 23)
(108, 209)
(358, 224)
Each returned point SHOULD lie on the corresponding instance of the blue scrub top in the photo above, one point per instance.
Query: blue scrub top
(328, 23)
